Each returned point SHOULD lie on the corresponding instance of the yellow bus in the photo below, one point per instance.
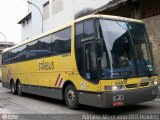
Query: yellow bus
(97, 60)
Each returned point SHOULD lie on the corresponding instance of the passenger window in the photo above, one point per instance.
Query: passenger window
(44, 43)
(32, 54)
(31, 46)
(22, 50)
(83, 30)
(61, 41)
(90, 62)
(13, 53)
(31, 50)
(89, 28)
(79, 34)
(5, 58)
(57, 43)
(79, 54)
(44, 47)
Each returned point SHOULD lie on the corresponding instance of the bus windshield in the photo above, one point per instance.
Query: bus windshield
(126, 50)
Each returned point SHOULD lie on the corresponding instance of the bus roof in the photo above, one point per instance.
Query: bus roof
(69, 24)
(111, 17)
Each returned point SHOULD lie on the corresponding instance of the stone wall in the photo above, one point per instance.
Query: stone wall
(153, 30)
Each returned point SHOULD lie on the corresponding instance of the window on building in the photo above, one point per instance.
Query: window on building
(46, 10)
(23, 24)
(28, 20)
(57, 6)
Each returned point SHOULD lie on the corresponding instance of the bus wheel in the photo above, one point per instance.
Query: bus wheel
(12, 87)
(71, 97)
(19, 88)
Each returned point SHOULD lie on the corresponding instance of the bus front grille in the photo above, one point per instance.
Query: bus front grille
(131, 86)
(137, 85)
(144, 84)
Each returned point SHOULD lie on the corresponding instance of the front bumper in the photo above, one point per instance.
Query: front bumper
(128, 97)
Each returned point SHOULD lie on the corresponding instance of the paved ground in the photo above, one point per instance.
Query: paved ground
(36, 107)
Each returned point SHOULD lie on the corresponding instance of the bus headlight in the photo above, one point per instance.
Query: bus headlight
(114, 88)
(154, 83)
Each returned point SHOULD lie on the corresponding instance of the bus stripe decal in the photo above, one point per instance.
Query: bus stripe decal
(60, 82)
(57, 80)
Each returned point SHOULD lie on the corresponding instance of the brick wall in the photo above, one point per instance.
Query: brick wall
(153, 30)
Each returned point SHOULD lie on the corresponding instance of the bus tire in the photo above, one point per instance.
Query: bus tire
(71, 97)
(19, 88)
(12, 87)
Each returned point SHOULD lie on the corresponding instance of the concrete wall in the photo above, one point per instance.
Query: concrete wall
(67, 13)
(34, 27)
(153, 29)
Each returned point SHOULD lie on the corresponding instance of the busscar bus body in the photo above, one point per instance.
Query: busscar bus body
(97, 60)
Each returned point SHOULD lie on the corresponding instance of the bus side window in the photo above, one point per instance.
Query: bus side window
(19, 53)
(90, 64)
(31, 50)
(79, 54)
(44, 45)
(4, 58)
(61, 41)
(89, 28)
(86, 59)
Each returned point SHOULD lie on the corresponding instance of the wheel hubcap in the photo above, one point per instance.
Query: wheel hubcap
(12, 88)
(19, 87)
(71, 97)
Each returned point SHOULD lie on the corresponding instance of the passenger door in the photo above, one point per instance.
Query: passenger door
(86, 57)
(90, 61)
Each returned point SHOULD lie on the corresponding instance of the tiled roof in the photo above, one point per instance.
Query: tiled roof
(111, 4)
